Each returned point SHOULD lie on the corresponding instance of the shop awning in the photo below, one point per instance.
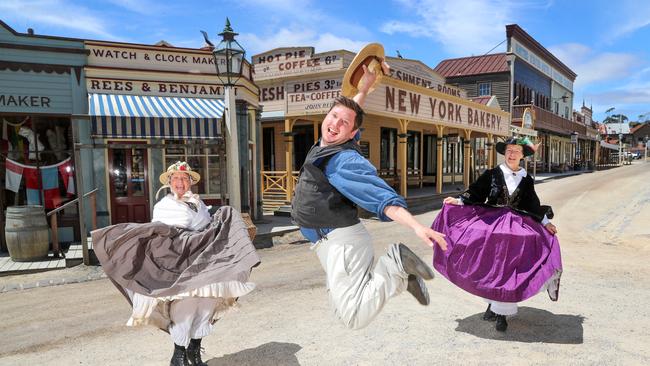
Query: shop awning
(609, 146)
(138, 116)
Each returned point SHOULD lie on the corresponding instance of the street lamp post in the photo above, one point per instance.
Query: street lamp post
(229, 59)
(620, 139)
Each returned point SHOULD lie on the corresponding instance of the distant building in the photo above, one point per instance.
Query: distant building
(528, 76)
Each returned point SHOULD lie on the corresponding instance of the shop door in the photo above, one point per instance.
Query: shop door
(430, 159)
(303, 140)
(128, 185)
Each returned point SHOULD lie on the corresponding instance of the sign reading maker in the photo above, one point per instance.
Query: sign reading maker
(9, 100)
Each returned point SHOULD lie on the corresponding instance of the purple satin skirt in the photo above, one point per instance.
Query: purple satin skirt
(497, 253)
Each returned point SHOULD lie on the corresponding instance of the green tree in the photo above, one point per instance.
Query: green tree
(616, 118)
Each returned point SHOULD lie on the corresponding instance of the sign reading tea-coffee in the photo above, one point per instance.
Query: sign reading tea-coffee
(312, 96)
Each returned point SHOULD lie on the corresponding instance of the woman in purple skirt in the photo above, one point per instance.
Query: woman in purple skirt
(502, 246)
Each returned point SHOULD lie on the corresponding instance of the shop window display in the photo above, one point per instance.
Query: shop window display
(207, 160)
(37, 161)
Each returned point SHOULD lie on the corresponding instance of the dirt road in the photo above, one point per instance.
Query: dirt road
(601, 317)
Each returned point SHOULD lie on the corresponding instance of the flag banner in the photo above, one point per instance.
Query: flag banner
(65, 169)
(52, 198)
(13, 175)
(50, 177)
(31, 177)
(33, 196)
(42, 183)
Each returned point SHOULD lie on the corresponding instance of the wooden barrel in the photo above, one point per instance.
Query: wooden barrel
(252, 229)
(26, 233)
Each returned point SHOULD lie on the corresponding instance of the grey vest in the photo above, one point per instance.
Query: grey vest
(316, 203)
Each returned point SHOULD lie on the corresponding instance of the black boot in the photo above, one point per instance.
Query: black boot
(502, 324)
(179, 358)
(489, 315)
(194, 353)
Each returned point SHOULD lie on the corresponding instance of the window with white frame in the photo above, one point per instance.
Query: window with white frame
(206, 159)
(484, 89)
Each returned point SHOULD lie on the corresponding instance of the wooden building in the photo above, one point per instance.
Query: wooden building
(528, 76)
(423, 136)
(153, 105)
(42, 94)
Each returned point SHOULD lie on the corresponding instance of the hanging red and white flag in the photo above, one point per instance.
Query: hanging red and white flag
(13, 175)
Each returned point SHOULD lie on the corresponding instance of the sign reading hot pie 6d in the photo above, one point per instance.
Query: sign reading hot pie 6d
(295, 61)
(438, 108)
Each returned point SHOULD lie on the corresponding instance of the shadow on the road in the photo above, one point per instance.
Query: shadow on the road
(272, 353)
(529, 325)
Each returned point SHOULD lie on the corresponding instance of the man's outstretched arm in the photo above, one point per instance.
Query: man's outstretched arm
(367, 80)
(428, 235)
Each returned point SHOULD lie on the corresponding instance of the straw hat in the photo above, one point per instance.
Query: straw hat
(529, 147)
(179, 166)
(372, 56)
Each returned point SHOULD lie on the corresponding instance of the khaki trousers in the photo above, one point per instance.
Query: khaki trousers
(356, 290)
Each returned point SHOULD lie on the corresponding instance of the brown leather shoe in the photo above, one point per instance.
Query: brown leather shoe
(418, 289)
(413, 264)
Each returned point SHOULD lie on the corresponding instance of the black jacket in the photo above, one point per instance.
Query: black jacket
(316, 203)
(490, 189)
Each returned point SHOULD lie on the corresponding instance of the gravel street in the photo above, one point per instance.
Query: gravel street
(601, 317)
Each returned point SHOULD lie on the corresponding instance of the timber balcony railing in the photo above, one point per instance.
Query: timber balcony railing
(275, 186)
(550, 121)
(54, 224)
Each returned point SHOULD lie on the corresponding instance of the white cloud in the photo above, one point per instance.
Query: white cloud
(306, 14)
(145, 7)
(630, 17)
(622, 97)
(414, 30)
(292, 23)
(469, 27)
(591, 67)
(56, 13)
(296, 38)
(629, 98)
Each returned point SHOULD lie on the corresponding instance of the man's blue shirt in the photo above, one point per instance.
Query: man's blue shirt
(355, 178)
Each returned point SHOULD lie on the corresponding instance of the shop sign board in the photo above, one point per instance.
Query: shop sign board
(153, 58)
(284, 62)
(403, 101)
(313, 96)
(26, 92)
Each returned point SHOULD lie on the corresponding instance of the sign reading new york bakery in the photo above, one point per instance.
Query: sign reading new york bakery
(403, 101)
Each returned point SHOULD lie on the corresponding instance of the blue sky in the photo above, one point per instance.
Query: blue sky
(607, 43)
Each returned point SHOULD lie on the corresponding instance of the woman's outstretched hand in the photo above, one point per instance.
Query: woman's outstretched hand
(451, 201)
(551, 228)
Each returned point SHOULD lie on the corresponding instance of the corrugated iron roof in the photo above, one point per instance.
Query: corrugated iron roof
(473, 65)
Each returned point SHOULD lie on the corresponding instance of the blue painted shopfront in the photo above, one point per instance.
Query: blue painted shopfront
(42, 95)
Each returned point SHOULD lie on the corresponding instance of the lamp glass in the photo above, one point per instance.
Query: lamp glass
(229, 58)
